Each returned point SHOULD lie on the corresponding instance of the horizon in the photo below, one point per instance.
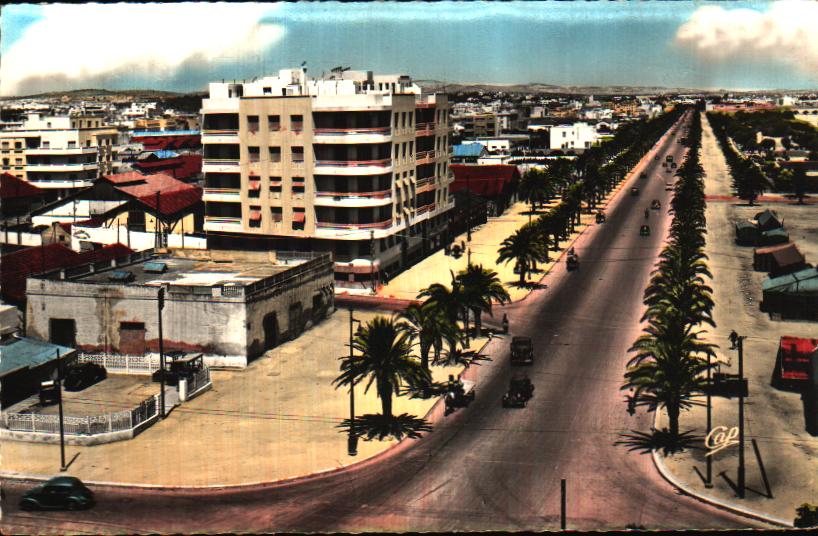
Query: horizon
(748, 45)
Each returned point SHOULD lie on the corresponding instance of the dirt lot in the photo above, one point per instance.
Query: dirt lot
(116, 393)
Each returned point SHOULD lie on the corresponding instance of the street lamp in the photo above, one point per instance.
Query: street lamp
(737, 343)
(160, 298)
(62, 424)
(352, 441)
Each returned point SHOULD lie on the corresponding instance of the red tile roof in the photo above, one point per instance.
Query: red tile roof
(174, 195)
(17, 266)
(485, 181)
(11, 187)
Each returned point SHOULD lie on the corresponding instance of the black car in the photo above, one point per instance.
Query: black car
(84, 375)
(634, 191)
(59, 493)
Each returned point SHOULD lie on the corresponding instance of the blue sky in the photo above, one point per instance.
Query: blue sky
(731, 45)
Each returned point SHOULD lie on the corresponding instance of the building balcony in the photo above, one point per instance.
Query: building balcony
(352, 231)
(354, 167)
(61, 183)
(424, 129)
(54, 151)
(62, 167)
(220, 136)
(223, 224)
(424, 157)
(424, 209)
(222, 194)
(220, 165)
(353, 199)
(352, 135)
(425, 185)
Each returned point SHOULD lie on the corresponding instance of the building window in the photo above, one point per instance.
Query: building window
(5, 161)
(254, 153)
(296, 123)
(87, 143)
(299, 219)
(255, 217)
(298, 154)
(72, 145)
(275, 154)
(18, 145)
(19, 161)
(276, 214)
(267, 91)
(252, 123)
(274, 122)
(5, 145)
(395, 120)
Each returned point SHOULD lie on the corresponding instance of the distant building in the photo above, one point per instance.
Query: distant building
(230, 306)
(576, 136)
(58, 153)
(479, 125)
(25, 362)
(467, 153)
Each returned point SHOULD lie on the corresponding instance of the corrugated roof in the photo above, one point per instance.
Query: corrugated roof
(174, 195)
(468, 150)
(25, 352)
(11, 187)
(486, 181)
(803, 281)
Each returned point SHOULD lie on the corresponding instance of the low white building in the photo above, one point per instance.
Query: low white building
(576, 136)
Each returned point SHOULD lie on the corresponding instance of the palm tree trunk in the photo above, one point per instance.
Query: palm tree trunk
(673, 418)
(385, 394)
(424, 356)
(478, 322)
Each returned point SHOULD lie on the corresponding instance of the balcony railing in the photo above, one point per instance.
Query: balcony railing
(424, 156)
(425, 208)
(223, 220)
(221, 132)
(354, 130)
(424, 129)
(353, 226)
(222, 191)
(375, 195)
(384, 162)
(220, 162)
(424, 182)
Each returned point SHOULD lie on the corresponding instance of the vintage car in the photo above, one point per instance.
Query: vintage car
(634, 191)
(83, 375)
(643, 175)
(655, 204)
(59, 493)
(572, 262)
(600, 217)
(644, 230)
(522, 351)
(459, 398)
(520, 391)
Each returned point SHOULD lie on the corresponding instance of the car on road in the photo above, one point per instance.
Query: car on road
(600, 217)
(83, 375)
(655, 204)
(673, 165)
(634, 191)
(572, 262)
(643, 175)
(522, 351)
(58, 493)
(459, 398)
(520, 391)
(644, 230)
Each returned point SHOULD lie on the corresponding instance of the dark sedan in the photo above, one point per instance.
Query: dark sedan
(59, 493)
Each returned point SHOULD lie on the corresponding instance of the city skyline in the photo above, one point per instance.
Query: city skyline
(702, 45)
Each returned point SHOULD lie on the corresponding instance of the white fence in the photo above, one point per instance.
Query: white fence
(20, 239)
(89, 425)
(198, 382)
(123, 364)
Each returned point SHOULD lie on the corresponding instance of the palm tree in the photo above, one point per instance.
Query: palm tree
(535, 188)
(481, 286)
(523, 248)
(450, 301)
(429, 325)
(384, 358)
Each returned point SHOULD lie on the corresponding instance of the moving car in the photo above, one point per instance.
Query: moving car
(572, 262)
(644, 230)
(59, 493)
(84, 375)
(522, 351)
(655, 204)
(460, 398)
(520, 391)
(634, 191)
(600, 217)
(673, 165)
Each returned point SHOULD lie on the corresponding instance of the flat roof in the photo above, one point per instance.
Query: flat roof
(25, 352)
(191, 272)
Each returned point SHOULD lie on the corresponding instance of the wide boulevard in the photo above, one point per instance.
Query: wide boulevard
(484, 467)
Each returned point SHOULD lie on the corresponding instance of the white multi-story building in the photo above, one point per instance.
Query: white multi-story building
(576, 136)
(61, 153)
(350, 163)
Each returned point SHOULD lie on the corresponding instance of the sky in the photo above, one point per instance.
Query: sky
(183, 46)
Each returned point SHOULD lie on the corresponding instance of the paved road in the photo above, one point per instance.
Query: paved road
(485, 467)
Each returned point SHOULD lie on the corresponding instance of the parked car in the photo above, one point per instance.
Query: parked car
(84, 375)
(644, 230)
(59, 493)
(522, 351)
(634, 191)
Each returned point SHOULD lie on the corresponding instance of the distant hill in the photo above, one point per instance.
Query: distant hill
(87, 93)
(538, 88)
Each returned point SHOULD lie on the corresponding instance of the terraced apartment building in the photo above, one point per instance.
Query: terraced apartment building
(349, 163)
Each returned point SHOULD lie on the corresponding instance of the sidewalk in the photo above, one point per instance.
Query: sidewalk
(775, 419)
(277, 419)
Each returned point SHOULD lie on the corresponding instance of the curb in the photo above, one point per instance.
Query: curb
(250, 486)
(665, 474)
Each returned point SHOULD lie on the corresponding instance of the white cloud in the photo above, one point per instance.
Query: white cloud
(73, 43)
(786, 32)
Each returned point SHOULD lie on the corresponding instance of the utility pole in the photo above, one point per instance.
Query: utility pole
(372, 253)
(563, 520)
(161, 305)
(738, 343)
(708, 483)
(62, 424)
(468, 208)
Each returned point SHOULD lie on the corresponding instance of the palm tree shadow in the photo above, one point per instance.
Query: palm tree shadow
(663, 440)
(533, 285)
(376, 426)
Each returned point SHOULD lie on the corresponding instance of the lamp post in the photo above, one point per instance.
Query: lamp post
(708, 483)
(352, 441)
(62, 424)
(737, 342)
(161, 305)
